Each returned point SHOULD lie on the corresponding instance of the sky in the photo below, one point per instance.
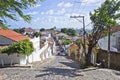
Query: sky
(56, 13)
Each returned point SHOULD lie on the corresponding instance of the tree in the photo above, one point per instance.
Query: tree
(64, 30)
(80, 45)
(19, 30)
(16, 30)
(102, 18)
(42, 29)
(36, 34)
(24, 47)
(71, 32)
(9, 8)
(66, 41)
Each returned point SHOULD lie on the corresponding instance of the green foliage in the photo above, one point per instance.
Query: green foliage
(102, 18)
(42, 29)
(9, 8)
(79, 42)
(72, 51)
(66, 41)
(64, 30)
(20, 30)
(61, 37)
(24, 47)
(106, 15)
(36, 34)
(16, 30)
(69, 31)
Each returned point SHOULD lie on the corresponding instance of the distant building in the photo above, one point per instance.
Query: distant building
(29, 31)
(72, 49)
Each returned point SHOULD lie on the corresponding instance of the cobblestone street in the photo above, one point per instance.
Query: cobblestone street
(58, 68)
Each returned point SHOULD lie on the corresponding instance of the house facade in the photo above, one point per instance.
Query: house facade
(5, 41)
(114, 42)
(38, 54)
(72, 49)
(29, 31)
(7, 37)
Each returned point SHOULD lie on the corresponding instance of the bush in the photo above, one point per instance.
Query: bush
(24, 47)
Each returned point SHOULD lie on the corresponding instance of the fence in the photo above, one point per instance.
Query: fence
(114, 58)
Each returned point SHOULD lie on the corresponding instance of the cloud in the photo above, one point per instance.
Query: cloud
(91, 2)
(36, 6)
(42, 13)
(62, 11)
(32, 13)
(36, 20)
(50, 12)
(66, 5)
(60, 4)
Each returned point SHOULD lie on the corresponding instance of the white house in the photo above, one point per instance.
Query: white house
(114, 40)
(7, 37)
(37, 55)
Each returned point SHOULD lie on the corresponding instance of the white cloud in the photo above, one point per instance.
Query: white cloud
(55, 19)
(32, 13)
(60, 4)
(91, 2)
(42, 13)
(36, 20)
(66, 5)
(36, 6)
(50, 12)
(62, 11)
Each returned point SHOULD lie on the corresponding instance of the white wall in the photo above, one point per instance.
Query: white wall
(103, 42)
(37, 55)
(12, 59)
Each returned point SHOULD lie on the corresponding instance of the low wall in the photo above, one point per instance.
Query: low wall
(114, 58)
(12, 59)
(37, 55)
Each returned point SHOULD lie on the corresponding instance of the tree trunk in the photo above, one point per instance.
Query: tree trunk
(88, 56)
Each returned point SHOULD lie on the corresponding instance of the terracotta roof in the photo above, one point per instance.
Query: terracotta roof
(12, 35)
(29, 30)
(115, 29)
(73, 46)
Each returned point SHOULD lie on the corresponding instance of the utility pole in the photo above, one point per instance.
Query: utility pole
(109, 47)
(76, 17)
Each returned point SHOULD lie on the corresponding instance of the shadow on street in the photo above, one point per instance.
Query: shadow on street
(71, 64)
(59, 71)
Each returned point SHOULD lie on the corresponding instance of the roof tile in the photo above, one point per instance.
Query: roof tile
(12, 35)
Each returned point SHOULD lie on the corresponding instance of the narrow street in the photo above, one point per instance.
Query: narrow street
(58, 68)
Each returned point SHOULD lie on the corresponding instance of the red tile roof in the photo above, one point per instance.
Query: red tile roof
(29, 30)
(12, 35)
(115, 29)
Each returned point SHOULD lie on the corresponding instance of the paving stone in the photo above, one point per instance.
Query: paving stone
(59, 68)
